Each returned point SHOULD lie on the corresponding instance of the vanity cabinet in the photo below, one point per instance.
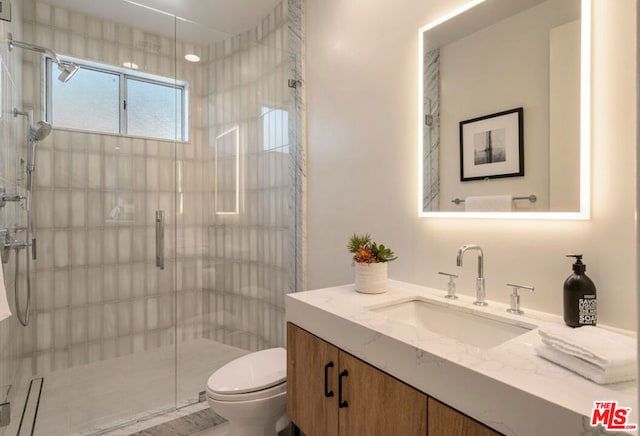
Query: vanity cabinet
(445, 421)
(331, 393)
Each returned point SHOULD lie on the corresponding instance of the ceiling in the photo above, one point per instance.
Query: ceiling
(202, 21)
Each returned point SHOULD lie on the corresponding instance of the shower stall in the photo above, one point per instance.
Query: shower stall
(165, 206)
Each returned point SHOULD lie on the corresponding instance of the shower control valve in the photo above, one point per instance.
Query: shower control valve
(4, 197)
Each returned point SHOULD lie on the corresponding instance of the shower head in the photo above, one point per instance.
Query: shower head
(42, 131)
(67, 69)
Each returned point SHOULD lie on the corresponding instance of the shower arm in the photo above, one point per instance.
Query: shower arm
(33, 47)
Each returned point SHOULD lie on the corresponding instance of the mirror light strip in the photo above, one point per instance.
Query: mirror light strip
(585, 128)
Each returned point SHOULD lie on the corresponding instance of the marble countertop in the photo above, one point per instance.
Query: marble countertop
(507, 387)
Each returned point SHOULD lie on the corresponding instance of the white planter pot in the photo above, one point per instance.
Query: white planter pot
(371, 278)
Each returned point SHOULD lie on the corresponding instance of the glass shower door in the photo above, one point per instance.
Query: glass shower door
(235, 198)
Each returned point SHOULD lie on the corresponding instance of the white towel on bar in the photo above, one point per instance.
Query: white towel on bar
(597, 354)
(489, 203)
(5, 312)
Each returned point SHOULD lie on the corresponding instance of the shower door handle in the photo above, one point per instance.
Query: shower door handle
(160, 239)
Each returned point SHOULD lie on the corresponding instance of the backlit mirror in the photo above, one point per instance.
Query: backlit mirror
(504, 111)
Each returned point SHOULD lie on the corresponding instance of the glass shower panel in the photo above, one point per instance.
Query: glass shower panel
(104, 314)
(234, 198)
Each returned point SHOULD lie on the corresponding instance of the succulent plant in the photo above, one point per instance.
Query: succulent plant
(367, 251)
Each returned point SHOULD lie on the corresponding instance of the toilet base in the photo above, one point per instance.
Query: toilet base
(263, 417)
(258, 428)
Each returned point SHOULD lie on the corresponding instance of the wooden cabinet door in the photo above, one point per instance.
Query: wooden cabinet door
(378, 404)
(445, 421)
(309, 360)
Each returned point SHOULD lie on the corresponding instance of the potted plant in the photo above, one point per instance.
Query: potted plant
(371, 261)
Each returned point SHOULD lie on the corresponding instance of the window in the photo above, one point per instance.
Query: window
(275, 129)
(105, 99)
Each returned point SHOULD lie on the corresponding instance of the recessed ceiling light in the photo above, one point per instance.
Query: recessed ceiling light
(131, 65)
(192, 57)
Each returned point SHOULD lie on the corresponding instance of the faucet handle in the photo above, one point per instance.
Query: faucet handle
(451, 286)
(515, 298)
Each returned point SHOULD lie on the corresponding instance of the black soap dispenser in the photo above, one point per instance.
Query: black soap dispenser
(579, 297)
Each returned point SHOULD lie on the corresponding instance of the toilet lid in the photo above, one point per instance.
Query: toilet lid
(252, 372)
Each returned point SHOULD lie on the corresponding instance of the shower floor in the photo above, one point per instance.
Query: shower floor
(92, 398)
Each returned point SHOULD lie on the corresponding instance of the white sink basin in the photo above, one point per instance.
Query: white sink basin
(482, 330)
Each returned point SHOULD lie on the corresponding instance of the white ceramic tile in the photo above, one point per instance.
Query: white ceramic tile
(109, 244)
(78, 45)
(110, 283)
(138, 279)
(152, 313)
(109, 349)
(62, 293)
(95, 209)
(62, 41)
(61, 209)
(138, 316)
(43, 214)
(78, 209)
(94, 247)
(152, 173)
(124, 244)
(110, 171)
(44, 334)
(78, 278)
(94, 285)
(61, 18)
(94, 171)
(78, 169)
(44, 172)
(78, 325)
(124, 319)
(109, 321)
(61, 245)
(124, 282)
(94, 323)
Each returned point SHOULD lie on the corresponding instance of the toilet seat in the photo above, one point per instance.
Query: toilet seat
(262, 374)
(249, 396)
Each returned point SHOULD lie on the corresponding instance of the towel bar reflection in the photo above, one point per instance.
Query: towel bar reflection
(532, 198)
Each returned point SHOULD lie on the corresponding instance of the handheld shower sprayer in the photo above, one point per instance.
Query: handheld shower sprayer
(34, 135)
(67, 69)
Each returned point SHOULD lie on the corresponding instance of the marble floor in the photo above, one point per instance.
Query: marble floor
(106, 395)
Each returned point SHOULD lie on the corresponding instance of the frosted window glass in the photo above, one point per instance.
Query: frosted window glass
(275, 129)
(90, 101)
(153, 110)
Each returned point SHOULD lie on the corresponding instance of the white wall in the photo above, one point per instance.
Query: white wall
(488, 72)
(361, 87)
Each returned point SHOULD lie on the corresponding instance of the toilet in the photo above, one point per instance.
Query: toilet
(250, 392)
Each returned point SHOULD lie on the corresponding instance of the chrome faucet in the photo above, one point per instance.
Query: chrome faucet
(480, 293)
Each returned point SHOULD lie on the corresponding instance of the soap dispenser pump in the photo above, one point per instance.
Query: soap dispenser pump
(579, 296)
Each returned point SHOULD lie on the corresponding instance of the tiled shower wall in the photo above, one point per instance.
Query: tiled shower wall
(97, 293)
(248, 262)
(12, 134)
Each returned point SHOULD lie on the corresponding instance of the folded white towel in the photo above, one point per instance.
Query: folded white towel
(4, 304)
(587, 370)
(600, 347)
(489, 203)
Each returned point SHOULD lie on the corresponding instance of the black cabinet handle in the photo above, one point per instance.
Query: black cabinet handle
(327, 392)
(341, 403)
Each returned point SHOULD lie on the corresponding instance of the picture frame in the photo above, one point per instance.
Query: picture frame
(492, 146)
